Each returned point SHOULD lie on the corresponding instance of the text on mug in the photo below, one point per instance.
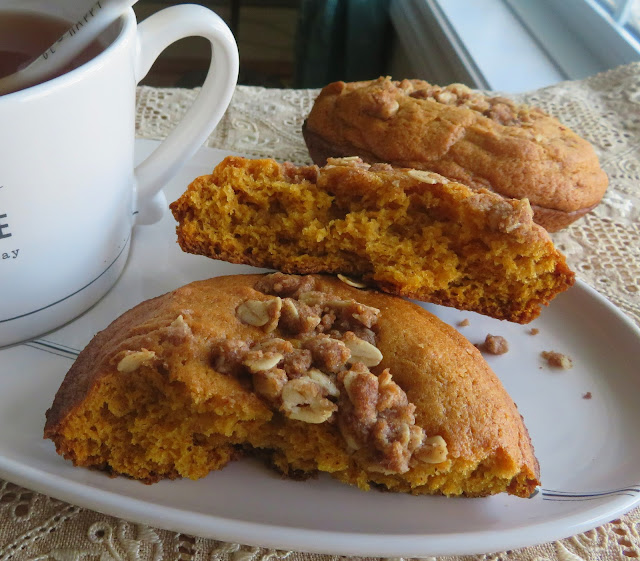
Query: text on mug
(3, 228)
(12, 255)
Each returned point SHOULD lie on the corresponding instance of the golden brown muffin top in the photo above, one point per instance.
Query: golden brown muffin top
(516, 150)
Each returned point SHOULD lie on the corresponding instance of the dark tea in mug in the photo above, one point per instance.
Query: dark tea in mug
(26, 35)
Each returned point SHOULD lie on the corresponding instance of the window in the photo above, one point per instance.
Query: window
(582, 37)
(515, 45)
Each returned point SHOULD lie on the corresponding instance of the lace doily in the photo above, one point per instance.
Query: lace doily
(603, 248)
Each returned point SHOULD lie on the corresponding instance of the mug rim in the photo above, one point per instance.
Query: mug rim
(127, 22)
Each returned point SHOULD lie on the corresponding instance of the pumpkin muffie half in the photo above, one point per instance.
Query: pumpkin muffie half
(406, 232)
(308, 372)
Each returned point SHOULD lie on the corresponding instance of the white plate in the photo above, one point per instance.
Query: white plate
(588, 449)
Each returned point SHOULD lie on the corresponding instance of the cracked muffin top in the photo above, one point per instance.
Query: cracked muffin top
(513, 149)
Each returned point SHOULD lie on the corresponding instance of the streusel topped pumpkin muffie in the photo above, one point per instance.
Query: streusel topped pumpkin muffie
(483, 141)
(307, 372)
(406, 232)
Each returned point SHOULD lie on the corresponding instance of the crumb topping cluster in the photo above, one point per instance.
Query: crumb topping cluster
(500, 109)
(383, 103)
(313, 365)
(557, 360)
(495, 345)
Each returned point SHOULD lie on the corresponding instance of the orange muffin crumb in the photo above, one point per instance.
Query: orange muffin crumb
(406, 232)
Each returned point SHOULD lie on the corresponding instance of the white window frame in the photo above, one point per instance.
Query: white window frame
(581, 36)
(509, 45)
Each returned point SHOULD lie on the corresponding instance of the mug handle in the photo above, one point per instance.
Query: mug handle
(154, 35)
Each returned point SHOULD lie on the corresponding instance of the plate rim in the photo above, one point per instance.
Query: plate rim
(303, 540)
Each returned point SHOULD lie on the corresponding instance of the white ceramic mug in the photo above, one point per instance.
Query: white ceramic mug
(69, 193)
